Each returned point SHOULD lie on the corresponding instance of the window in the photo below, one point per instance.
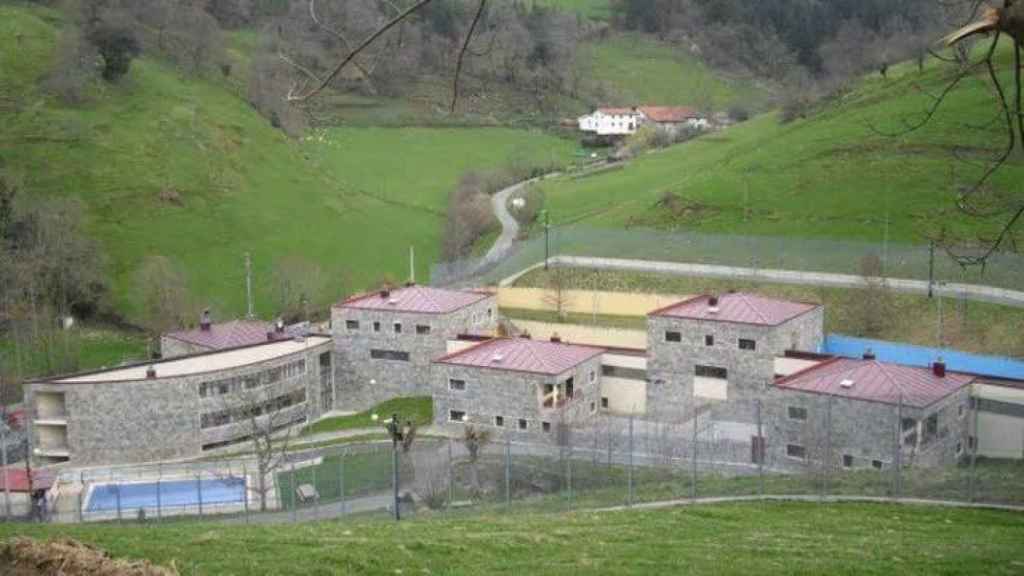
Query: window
(746, 344)
(847, 461)
(709, 340)
(797, 413)
(569, 388)
(592, 376)
(876, 464)
(456, 416)
(389, 355)
(352, 324)
(961, 411)
(627, 373)
(673, 337)
(796, 451)
(422, 329)
(490, 313)
(604, 402)
(398, 327)
(456, 385)
(959, 448)
(376, 326)
(522, 424)
(972, 442)
(499, 421)
(711, 372)
(545, 426)
(593, 407)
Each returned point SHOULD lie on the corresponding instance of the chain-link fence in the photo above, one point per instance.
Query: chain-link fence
(804, 445)
(907, 261)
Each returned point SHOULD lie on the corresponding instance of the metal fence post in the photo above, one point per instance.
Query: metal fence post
(245, 491)
(693, 457)
(828, 449)
(3, 457)
(316, 496)
(629, 494)
(761, 451)
(292, 480)
(451, 478)
(117, 494)
(898, 451)
(973, 441)
(341, 479)
(79, 513)
(508, 472)
(568, 474)
(199, 490)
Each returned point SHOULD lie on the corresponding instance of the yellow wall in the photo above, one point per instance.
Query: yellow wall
(579, 334)
(587, 301)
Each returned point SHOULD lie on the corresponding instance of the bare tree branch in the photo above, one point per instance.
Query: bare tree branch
(462, 53)
(344, 41)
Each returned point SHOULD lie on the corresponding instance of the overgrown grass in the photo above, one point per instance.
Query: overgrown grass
(78, 349)
(363, 473)
(832, 175)
(419, 410)
(966, 325)
(720, 539)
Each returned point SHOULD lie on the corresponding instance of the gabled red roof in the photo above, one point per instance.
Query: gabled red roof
(738, 307)
(669, 114)
(523, 355)
(877, 381)
(415, 299)
(17, 479)
(617, 111)
(226, 334)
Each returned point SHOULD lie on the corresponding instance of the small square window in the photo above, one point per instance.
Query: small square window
(422, 329)
(376, 326)
(673, 337)
(457, 416)
(499, 421)
(593, 407)
(847, 461)
(709, 340)
(545, 426)
(490, 313)
(797, 413)
(796, 451)
(961, 411)
(959, 448)
(972, 442)
(522, 424)
(456, 384)
(876, 464)
(398, 327)
(352, 324)
(604, 402)
(593, 376)
(746, 344)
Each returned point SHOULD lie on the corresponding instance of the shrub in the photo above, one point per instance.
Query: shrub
(118, 46)
(739, 113)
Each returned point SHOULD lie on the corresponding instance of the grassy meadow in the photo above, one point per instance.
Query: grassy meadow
(718, 539)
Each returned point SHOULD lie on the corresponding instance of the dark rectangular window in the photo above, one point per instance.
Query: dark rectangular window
(709, 340)
(545, 426)
(422, 329)
(673, 337)
(352, 324)
(499, 421)
(797, 413)
(522, 424)
(457, 416)
(796, 451)
(389, 355)
(456, 385)
(398, 327)
(627, 373)
(746, 344)
(376, 326)
(711, 372)
(604, 402)
(847, 461)
(876, 464)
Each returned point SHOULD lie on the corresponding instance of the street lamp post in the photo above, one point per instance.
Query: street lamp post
(395, 430)
(547, 227)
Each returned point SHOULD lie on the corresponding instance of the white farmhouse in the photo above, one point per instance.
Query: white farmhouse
(611, 121)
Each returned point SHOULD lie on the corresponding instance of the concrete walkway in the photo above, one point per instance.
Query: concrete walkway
(950, 290)
(814, 499)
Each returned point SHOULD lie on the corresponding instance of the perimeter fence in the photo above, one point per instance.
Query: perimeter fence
(905, 261)
(807, 445)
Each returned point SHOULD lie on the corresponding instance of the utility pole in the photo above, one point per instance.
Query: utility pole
(412, 264)
(3, 456)
(547, 246)
(248, 286)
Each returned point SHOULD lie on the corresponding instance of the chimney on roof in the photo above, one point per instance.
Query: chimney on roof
(869, 354)
(151, 373)
(271, 335)
(279, 325)
(939, 368)
(410, 284)
(713, 305)
(385, 292)
(556, 338)
(525, 335)
(204, 321)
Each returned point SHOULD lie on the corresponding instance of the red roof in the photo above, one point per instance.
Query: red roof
(877, 381)
(523, 355)
(669, 114)
(738, 307)
(226, 334)
(17, 479)
(617, 111)
(416, 299)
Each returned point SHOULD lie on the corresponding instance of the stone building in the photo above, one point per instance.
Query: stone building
(844, 412)
(723, 350)
(178, 408)
(385, 341)
(210, 336)
(528, 388)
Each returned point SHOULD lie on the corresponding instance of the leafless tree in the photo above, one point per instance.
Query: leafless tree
(469, 216)
(557, 286)
(475, 439)
(162, 292)
(870, 308)
(74, 66)
(299, 283)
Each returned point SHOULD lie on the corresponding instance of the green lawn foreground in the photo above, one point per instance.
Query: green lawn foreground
(418, 409)
(749, 538)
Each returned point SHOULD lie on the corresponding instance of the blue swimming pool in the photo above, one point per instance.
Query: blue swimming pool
(172, 494)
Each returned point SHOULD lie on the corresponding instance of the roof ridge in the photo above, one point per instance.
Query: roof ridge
(751, 305)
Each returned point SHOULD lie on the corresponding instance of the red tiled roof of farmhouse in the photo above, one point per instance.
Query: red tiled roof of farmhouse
(416, 299)
(877, 381)
(617, 111)
(669, 113)
(523, 355)
(737, 307)
(226, 334)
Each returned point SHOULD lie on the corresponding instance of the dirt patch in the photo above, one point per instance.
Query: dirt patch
(67, 557)
(684, 209)
(171, 196)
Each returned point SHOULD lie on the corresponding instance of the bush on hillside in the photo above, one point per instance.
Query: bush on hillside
(118, 46)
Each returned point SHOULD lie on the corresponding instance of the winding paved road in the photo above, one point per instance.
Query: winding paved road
(509, 225)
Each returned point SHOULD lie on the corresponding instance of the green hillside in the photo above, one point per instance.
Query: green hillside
(831, 175)
(183, 167)
(755, 538)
